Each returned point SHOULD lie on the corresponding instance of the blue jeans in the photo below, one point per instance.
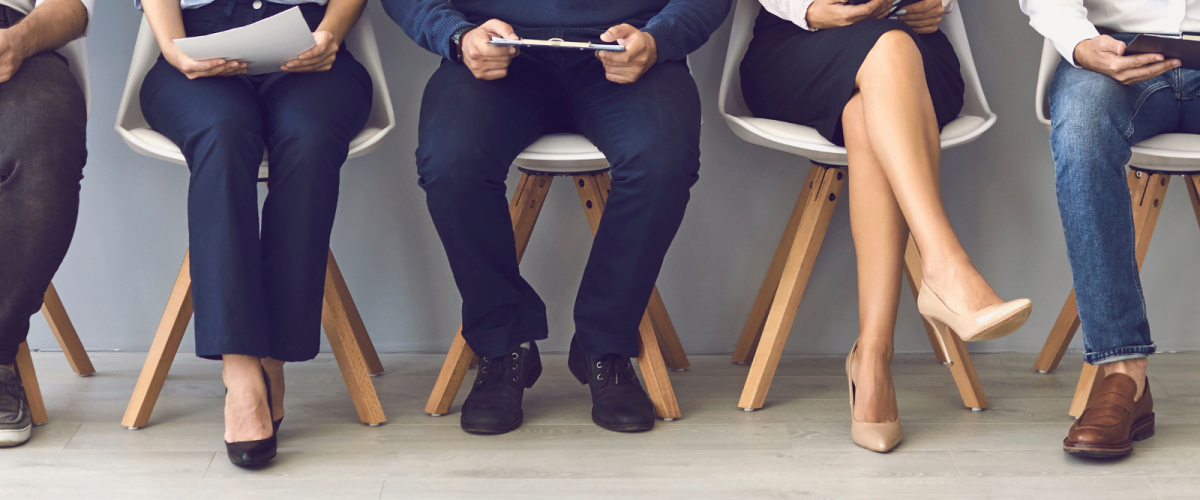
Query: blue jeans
(470, 132)
(1095, 121)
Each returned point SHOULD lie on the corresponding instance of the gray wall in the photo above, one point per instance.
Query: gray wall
(999, 192)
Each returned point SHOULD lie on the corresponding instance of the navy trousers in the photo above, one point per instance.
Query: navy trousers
(259, 293)
(471, 131)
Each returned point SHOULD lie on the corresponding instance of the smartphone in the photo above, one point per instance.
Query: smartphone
(558, 43)
(898, 6)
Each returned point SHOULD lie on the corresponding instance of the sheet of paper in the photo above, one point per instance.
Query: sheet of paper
(266, 44)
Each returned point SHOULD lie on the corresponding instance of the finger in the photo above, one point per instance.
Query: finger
(500, 28)
(909, 15)
(495, 74)
(618, 32)
(1105, 43)
(1147, 72)
(203, 65)
(1126, 63)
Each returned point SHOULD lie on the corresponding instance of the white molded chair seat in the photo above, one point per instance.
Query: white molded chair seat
(561, 154)
(1175, 153)
(975, 119)
(132, 126)
(76, 54)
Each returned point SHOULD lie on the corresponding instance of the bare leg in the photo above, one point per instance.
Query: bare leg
(274, 370)
(902, 129)
(1135, 368)
(880, 238)
(247, 417)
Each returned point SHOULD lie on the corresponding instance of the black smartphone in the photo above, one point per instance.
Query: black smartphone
(896, 7)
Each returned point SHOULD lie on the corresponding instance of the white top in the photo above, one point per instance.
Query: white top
(1068, 22)
(796, 11)
(25, 6)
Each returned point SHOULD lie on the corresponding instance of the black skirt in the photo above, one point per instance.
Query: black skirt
(806, 77)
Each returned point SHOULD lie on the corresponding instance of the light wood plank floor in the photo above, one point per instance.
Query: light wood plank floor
(798, 446)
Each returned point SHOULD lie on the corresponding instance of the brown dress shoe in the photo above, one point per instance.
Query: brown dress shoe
(1113, 420)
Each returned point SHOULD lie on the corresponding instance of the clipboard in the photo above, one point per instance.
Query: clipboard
(1185, 48)
(558, 43)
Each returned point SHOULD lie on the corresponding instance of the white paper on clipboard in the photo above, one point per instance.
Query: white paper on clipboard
(265, 45)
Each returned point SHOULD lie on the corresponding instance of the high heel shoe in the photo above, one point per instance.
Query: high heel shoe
(259, 452)
(879, 437)
(990, 322)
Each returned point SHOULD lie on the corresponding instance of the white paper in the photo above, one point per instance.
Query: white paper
(265, 45)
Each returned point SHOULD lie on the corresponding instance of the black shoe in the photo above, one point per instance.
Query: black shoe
(254, 453)
(618, 401)
(15, 421)
(494, 405)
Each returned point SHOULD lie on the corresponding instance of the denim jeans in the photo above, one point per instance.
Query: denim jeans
(470, 132)
(1095, 121)
(43, 149)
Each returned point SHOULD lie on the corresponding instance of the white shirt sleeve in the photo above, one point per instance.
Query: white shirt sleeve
(1064, 22)
(87, 4)
(795, 11)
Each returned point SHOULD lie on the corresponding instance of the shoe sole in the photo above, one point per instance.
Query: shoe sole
(1003, 328)
(1141, 431)
(488, 430)
(15, 437)
(623, 427)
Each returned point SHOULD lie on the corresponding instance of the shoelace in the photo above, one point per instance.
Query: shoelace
(614, 368)
(494, 368)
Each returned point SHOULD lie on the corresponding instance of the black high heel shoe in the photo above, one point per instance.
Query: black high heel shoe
(255, 453)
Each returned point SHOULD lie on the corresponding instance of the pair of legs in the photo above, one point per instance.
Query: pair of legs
(258, 292)
(893, 148)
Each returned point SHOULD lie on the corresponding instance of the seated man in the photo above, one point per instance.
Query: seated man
(1101, 103)
(42, 153)
(486, 104)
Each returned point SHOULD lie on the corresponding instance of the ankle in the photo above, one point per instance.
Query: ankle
(1134, 368)
(875, 352)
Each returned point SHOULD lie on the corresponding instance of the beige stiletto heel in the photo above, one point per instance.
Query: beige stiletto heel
(988, 323)
(878, 437)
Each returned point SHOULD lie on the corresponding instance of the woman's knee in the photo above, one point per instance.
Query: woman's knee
(894, 51)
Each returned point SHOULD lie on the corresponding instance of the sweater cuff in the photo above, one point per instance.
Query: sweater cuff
(667, 38)
(439, 39)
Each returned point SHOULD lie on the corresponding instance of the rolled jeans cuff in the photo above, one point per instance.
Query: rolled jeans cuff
(1119, 354)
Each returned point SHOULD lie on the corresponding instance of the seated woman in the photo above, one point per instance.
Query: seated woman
(883, 87)
(257, 295)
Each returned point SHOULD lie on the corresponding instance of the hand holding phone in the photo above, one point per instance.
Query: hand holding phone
(827, 14)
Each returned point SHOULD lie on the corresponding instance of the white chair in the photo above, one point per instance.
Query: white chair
(52, 306)
(774, 309)
(343, 326)
(572, 155)
(1153, 163)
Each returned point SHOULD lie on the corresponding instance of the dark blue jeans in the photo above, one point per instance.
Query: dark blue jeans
(470, 132)
(1096, 120)
(256, 293)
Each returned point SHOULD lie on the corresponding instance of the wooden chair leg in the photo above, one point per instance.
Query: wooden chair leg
(162, 351)
(33, 392)
(65, 334)
(524, 209)
(955, 354)
(1147, 194)
(593, 193)
(1193, 185)
(1060, 336)
(814, 221)
(346, 334)
(654, 373)
(752, 332)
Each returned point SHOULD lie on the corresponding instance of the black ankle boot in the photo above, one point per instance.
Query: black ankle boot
(494, 405)
(618, 401)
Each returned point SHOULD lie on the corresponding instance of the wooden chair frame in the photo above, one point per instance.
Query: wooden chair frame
(1147, 191)
(352, 347)
(659, 346)
(68, 340)
(770, 322)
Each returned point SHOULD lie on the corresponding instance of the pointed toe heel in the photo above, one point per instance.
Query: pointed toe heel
(878, 437)
(991, 322)
(258, 452)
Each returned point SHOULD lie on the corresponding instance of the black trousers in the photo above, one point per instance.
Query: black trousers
(43, 148)
(259, 293)
(470, 132)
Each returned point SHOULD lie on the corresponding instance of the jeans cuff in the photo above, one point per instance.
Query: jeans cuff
(1119, 354)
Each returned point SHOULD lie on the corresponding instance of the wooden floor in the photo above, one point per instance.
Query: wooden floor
(798, 446)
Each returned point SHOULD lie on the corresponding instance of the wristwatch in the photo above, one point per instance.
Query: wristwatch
(456, 42)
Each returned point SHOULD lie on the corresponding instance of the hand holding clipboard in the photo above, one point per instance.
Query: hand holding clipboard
(1109, 56)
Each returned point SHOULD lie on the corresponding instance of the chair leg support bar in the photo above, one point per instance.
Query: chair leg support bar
(162, 351)
(64, 333)
(347, 349)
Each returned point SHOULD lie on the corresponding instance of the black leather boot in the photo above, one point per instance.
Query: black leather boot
(618, 401)
(494, 405)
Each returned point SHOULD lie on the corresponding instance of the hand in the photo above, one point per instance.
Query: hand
(924, 16)
(826, 14)
(487, 61)
(641, 52)
(318, 58)
(11, 55)
(1106, 55)
(194, 69)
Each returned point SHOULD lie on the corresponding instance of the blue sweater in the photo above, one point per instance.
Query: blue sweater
(678, 26)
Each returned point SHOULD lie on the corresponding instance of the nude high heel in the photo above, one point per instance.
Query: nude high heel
(988, 323)
(878, 437)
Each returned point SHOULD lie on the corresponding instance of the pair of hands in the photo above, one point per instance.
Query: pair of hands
(318, 58)
(490, 62)
(924, 16)
(1106, 55)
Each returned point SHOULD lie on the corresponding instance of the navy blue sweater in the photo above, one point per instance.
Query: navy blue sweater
(678, 26)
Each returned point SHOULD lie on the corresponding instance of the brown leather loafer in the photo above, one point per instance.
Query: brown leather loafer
(1113, 420)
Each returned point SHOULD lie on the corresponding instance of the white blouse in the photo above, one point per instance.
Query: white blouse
(796, 11)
